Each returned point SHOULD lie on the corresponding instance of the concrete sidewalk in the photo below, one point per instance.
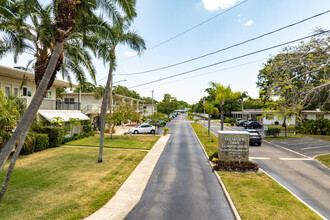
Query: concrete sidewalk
(129, 194)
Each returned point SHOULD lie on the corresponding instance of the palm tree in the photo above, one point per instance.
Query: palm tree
(222, 95)
(107, 51)
(18, 40)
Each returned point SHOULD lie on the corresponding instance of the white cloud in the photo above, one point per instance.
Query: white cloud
(130, 54)
(249, 22)
(212, 5)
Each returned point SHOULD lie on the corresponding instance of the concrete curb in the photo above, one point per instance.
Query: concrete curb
(311, 208)
(230, 201)
(275, 145)
(130, 193)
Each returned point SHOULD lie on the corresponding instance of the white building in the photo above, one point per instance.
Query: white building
(149, 109)
(21, 84)
(91, 106)
(269, 119)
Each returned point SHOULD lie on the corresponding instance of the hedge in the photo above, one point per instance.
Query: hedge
(273, 131)
(41, 141)
(29, 145)
(319, 126)
(55, 135)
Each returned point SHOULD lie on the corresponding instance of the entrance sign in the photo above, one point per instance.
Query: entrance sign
(233, 146)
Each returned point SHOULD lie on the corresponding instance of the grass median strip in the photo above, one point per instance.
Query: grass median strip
(65, 183)
(255, 195)
(210, 143)
(325, 159)
(119, 141)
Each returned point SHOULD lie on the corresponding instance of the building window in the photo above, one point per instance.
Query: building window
(69, 100)
(48, 95)
(16, 92)
(27, 91)
(7, 90)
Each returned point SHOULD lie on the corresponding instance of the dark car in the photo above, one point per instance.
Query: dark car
(255, 137)
(252, 124)
(240, 122)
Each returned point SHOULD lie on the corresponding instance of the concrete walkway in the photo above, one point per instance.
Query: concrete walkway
(129, 194)
(182, 185)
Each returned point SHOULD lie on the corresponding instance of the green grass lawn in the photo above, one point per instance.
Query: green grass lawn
(257, 196)
(322, 137)
(219, 122)
(65, 182)
(190, 118)
(210, 143)
(325, 159)
(119, 141)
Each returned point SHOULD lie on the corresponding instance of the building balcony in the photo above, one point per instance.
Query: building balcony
(48, 104)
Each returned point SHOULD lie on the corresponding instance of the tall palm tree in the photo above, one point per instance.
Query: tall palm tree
(65, 12)
(121, 34)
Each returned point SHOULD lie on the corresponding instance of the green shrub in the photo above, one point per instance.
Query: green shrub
(273, 131)
(4, 138)
(41, 142)
(319, 126)
(166, 130)
(29, 145)
(87, 126)
(230, 120)
(214, 155)
(55, 135)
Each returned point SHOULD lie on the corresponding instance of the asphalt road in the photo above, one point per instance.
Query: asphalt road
(182, 185)
(308, 146)
(306, 178)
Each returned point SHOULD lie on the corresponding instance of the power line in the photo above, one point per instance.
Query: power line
(197, 25)
(232, 67)
(231, 59)
(229, 47)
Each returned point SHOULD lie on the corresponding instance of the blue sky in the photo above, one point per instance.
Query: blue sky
(159, 20)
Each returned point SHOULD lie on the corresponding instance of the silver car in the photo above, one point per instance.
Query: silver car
(142, 128)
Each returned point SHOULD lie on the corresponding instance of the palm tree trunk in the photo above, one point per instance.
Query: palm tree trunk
(110, 103)
(12, 164)
(33, 108)
(103, 111)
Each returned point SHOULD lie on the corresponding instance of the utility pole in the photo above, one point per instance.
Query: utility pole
(242, 109)
(152, 102)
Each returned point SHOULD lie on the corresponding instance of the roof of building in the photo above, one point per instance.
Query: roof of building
(90, 94)
(19, 74)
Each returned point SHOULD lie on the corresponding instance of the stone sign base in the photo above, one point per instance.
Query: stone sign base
(233, 146)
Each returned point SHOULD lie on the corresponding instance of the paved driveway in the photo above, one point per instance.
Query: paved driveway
(308, 146)
(182, 185)
(306, 178)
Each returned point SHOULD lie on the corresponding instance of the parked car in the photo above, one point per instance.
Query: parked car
(252, 124)
(142, 128)
(240, 122)
(255, 137)
(172, 116)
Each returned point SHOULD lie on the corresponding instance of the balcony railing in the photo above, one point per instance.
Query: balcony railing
(59, 105)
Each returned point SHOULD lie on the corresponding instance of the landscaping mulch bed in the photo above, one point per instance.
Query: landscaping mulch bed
(236, 166)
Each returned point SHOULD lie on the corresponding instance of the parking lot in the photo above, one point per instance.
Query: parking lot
(307, 146)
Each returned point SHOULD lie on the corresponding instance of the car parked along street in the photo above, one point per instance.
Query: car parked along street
(142, 128)
(255, 137)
